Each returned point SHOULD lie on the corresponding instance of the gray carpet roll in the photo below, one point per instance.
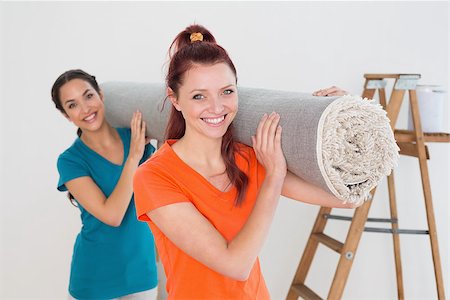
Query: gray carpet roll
(341, 144)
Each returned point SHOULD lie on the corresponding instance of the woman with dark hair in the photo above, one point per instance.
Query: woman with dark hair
(209, 200)
(114, 255)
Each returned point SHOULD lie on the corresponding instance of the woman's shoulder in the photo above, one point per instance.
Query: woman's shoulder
(72, 158)
(161, 160)
(71, 152)
(124, 133)
(245, 156)
(123, 130)
(160, 171)
(243, 147)
(245, 150)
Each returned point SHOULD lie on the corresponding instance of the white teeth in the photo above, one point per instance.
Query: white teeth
(214, 120)
(89, 118)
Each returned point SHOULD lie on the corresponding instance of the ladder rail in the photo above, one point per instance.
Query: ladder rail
(420, 143)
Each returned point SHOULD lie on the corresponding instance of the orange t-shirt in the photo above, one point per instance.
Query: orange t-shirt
(165, 179)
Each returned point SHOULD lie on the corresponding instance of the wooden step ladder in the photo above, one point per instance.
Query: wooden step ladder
(411, 143)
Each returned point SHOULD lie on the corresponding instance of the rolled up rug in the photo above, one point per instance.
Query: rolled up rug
(342, 144)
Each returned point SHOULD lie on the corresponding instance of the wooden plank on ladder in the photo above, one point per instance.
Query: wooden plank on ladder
(349, 250)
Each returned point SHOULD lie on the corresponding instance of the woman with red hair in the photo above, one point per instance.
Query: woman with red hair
(209, 200)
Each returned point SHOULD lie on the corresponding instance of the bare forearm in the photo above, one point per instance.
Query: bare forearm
(298, 189)
(244, 248)
(117, 203)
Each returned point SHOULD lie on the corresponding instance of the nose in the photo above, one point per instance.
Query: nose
(85, 107)
(216, 105)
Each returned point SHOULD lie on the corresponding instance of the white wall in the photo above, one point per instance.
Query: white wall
(299, 46)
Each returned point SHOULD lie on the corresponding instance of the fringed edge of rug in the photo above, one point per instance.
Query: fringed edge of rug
(355, 192)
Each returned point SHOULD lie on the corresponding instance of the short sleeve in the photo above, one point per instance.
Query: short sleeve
(154, 188)
(69, 168)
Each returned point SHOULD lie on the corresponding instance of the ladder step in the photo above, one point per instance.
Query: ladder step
(382, 76)
(396, 231)
(411, 149)
(305, 292)
(402, 135)
(328, 241)
(345, 218)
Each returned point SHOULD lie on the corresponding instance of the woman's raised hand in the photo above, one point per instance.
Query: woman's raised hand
(267, 145)
(331, 91)
(138, 139)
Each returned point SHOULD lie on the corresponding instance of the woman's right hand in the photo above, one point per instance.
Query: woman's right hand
(138, 140)
(267, 146)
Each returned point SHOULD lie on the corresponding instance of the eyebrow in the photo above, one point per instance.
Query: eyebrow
(72, 100)
(203, 90)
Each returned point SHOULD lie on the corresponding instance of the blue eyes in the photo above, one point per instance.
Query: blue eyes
(200, 96)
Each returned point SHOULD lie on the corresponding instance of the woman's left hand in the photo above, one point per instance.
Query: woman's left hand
(331, 91)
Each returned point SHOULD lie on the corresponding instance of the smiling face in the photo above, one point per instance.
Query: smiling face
(82, 104)
(208, 100)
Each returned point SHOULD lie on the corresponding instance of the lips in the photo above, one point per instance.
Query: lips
(214, 121)
(90, 118)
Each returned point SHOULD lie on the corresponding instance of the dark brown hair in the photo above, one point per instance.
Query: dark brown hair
(183, 55)
(56, 98)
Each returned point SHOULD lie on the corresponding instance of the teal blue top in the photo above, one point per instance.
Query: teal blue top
(107, 262)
